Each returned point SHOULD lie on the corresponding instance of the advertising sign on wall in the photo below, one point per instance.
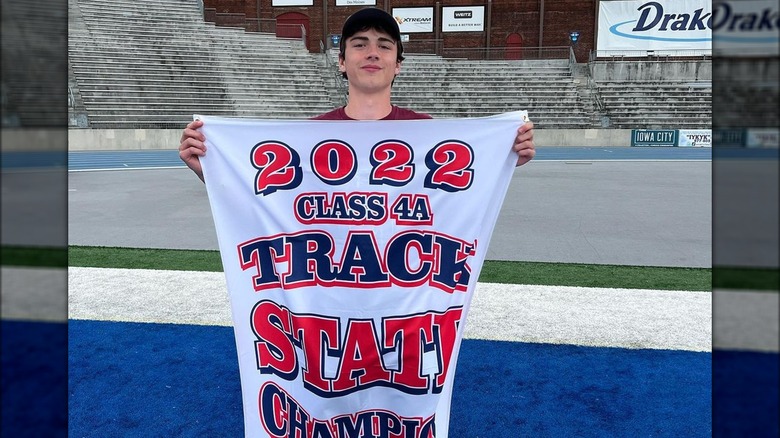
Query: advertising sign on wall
(414, 20)
(699, 138)
(355, 2)
(653, 137)
(292, 2)
(665, 27)
(728, 137)
(762, 138)
(463, 19)
(746, 28)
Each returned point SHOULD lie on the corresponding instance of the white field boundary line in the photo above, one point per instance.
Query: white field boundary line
(34, 294)
(746, 320)
(599, 317)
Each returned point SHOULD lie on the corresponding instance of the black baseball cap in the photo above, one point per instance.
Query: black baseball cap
(371, 18)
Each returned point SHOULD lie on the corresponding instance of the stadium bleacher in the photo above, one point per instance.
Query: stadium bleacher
(747, 94)
(32, 64)
(666, 104)
(154, 64)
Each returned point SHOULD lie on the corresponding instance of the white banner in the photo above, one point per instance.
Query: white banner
(746, 28)
(351, 251)
(662, 27)
(463, 19)
(414, 20)
(694, 138)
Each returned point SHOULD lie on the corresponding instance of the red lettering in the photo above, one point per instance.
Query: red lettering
(318, 336)
(361, 361)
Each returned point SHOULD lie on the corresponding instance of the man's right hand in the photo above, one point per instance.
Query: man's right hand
(193, 147)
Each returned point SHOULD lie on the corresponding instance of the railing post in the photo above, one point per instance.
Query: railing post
(572, 60)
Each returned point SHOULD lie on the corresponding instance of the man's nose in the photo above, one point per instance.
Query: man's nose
(373, 51)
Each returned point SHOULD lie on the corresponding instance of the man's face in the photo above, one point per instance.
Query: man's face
(370, 60)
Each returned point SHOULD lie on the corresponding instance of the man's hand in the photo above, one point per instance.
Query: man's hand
(193, 147)
(524, 143)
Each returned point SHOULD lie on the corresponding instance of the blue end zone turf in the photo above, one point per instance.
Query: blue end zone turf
(745, 391)
(511, 389)
(34, 379)
(139, 380)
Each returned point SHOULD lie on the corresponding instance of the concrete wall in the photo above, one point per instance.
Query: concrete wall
(123, 139)
(33, 139)
(136, 139)
(700, 70)
(730, 70)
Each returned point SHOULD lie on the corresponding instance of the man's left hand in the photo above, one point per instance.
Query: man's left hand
(524, 143)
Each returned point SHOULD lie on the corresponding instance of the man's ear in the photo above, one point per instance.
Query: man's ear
(342, 67)
(397, 67)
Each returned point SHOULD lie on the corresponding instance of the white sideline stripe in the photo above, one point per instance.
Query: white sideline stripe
(598, 317)
(625, 318)
(145, 295)
(746, 320)
(34, 294)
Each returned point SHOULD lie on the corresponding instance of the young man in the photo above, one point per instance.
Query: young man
(370, 57)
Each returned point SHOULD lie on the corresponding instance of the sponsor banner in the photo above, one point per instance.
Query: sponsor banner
(698, 138)
(664, 27)
(355, 2)
(292, 2)
(463, 19)
(351, 251)
(414, 20)
(653, 137)
(745, 28)
(762, 137)
(728, 138)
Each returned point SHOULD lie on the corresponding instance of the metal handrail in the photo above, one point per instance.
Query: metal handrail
(649, 55)
(333, 71)
(435, 46)
(509, 53)
(572, 60)
(71, 98)
(594, 92)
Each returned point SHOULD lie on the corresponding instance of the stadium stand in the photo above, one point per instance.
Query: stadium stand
(152, 64)
(670, 104)
(747, 94)
(653, 92)
(465, 88)
(445, 87)
(155, 63)
(33, 93)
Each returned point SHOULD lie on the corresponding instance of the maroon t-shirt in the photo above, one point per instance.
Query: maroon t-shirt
(396, 113)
